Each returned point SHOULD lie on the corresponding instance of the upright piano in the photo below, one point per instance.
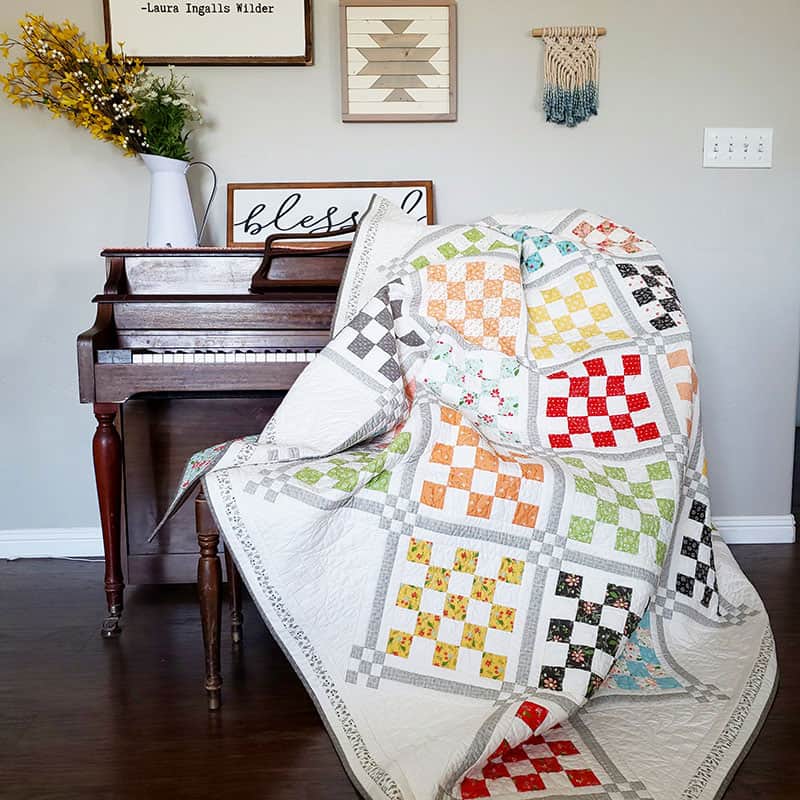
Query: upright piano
(190, 348)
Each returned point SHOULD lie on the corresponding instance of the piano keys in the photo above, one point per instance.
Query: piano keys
(190, 348)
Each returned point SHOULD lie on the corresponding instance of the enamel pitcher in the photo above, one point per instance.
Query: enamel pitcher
(171, 221)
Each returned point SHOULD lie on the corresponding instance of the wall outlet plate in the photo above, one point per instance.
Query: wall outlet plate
(742, 148)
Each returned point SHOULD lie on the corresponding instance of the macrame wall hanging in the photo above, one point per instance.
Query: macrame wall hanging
(570, 72)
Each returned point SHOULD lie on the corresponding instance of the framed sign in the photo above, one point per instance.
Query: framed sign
(398, 60)
(203, 34)
(258, 210)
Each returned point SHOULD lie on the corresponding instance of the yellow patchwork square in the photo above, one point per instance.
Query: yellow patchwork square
(575, 302)
(493, 666)
(538, 314)
(551, 295)
(586, 280)
(600, 312)
(581, 346)
(564, 323)
(553, 338)
(474, 636)
(483, 589)
(589, 331)
(445, 655)
(455, 607)
(419, 551)
(399, 643)
(617, 335)
(502, 618)
(541, 353)
(511, 570)
(465, 560)
(427, 625)
(437, 578)
(409, 596)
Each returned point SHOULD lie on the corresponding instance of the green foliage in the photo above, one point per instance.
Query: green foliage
(165, 112)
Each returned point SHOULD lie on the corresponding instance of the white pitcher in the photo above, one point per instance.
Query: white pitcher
(171, 220)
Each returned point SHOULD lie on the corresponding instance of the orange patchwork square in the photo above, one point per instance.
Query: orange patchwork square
(468, 436)
(507, 487)
(442, 454)
(491, 327)
(509, 307)
(450, 415)
(480, 505)
(436, 272)
(526, 514)
(484, 459)
(456, 290)
(507, 344)
(474, 309)
(477, 269)
(460, 478)
(493, 289)
(433, 494)
(437, 309)
(533, 472)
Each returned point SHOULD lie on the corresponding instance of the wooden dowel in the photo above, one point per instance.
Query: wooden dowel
(537, 33)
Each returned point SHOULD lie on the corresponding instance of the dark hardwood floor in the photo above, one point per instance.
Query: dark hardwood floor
(85, 718)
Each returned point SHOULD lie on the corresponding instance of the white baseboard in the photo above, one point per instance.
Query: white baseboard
(88, 542)
(756, 530)
(51, 543)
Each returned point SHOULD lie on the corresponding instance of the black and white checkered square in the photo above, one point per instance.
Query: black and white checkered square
(654, 293)
(697, 576)
(371, 339)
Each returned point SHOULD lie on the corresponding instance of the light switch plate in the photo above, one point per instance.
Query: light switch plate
(748, 148)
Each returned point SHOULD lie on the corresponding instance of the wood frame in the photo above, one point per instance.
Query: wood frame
(305, 60)
(452, 114)
(249, 245)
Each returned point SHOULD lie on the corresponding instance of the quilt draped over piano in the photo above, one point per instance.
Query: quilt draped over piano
(479, 523)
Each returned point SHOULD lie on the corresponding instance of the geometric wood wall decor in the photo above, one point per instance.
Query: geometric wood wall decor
(398, 60)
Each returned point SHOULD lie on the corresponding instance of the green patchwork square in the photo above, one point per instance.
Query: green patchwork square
(474, 235)
(375, 464)
(599, 479)
(585, 486)
(667, 508)
(471, 251)
(607, 512)
(345, 477)
(380, 483)
(616, 473)
(448, 250)
(642, 490)
(420, 262)
(581, 529)
(627, 540)
(661, 552)
(400, 443)
(659, 471)
(498, 245)
(627, 501)
(574, 462)
(651, 525)
(308, 475)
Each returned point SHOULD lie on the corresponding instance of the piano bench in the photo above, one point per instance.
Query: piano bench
(209, 589)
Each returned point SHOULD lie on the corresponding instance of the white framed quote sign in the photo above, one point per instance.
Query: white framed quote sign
(204, 34)
(259, 210)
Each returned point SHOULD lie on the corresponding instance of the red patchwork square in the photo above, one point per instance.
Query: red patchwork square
(471, 789)
(595, 367)
(557, 406)
(494, 770)
(532, 714)
(563, 748)
(621, 422)
(637, 402)
(578, 424)
(615, 386)
(647, 432)
(546, 764)
(632, 364)
(597, 407)
(560, 440)
(514, 755)
(528, 783)
(578, 387)
(582, 777)
(604, 439)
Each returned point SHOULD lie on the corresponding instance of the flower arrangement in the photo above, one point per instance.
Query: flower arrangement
(113, 96)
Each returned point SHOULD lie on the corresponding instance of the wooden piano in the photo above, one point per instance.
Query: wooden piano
(190, 348)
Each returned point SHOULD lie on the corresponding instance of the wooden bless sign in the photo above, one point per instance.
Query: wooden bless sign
(274, 32)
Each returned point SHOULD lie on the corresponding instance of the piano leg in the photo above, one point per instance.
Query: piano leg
(107, 452)
(209, 585)
(234, 598)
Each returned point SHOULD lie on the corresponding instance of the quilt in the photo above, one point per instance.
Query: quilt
(479, 523)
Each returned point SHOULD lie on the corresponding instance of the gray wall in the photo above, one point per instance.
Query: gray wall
(667, 70)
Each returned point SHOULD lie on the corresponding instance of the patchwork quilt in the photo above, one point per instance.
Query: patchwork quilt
(479, 523)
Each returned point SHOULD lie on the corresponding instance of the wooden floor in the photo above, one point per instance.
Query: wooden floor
(86, 718)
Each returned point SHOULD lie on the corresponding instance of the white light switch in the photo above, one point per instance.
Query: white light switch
(737, 147)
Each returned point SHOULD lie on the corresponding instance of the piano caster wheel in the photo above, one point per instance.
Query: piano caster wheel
(111, 627)
(236, 633)
(214, 699)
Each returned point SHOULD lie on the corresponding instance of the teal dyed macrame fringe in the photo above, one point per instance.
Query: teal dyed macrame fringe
(570, 74)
